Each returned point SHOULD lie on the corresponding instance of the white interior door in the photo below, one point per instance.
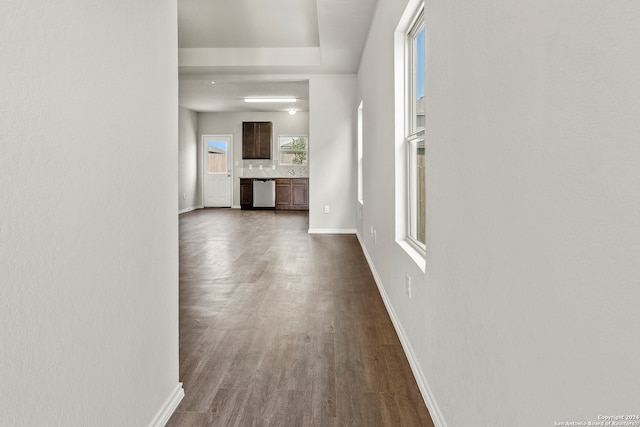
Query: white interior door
(217, 157)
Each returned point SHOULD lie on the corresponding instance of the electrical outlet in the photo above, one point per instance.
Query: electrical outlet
(184, 196)
(326, 209)
(408, 286)
(371, 232)
(374, 235)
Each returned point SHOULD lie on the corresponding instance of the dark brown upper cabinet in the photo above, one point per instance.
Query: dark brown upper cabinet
(256, 140)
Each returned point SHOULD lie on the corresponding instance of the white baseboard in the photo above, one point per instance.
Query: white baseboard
(185, 210)
(235, 207)
(423, 385)
(331, 231)
(168, 408)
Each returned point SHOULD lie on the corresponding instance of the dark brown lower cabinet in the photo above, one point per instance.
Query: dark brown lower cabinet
(292, 193)
(246, 193)
(300, 193)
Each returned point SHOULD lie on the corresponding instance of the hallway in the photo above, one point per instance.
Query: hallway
(282, 328)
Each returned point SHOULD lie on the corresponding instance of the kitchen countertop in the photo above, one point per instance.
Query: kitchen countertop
(273, 177)
(270, 174)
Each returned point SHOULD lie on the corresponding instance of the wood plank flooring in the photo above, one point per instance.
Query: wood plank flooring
(282, 328)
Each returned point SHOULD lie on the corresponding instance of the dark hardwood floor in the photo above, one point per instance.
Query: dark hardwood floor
(282, 328)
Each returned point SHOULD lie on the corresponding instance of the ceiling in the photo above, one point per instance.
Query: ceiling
(228, 95)
(234, 23)
(265, 48)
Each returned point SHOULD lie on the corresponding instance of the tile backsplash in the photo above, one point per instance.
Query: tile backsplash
(251, 169)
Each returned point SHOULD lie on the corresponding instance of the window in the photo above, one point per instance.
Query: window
(293, 150)
(360, 155)
(216, 158)
(415, 132)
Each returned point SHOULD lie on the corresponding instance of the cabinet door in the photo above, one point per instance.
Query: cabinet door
(246, 193)
(248, 140)
(263, 140)
(283, 193)
(256, 140)
(300, 193)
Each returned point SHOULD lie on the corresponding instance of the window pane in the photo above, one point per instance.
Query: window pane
(421, 194)
(417, 191)
(419, 74)
(360, 154)
(217, 157)
(293, 150)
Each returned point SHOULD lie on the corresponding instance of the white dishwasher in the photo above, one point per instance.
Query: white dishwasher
(264, 193)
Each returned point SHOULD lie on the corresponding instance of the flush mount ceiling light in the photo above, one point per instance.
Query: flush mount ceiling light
(292, 111)
(270, 100)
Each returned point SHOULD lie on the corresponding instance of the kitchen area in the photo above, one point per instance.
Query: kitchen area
(274, 171)
(266, 149)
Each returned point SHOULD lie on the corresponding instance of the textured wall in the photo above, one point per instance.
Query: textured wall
(88, 223)
(527, 313)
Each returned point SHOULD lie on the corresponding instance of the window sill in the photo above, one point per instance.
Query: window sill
(417, 256)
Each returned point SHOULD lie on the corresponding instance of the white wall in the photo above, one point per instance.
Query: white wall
(528, 312)
(231, 123)
(332, 170)
(189, 182)
(88, 224)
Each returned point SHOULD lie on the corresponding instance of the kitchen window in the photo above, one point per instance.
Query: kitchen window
(293, 149)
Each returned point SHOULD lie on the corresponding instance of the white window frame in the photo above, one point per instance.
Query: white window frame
(413, 135)
(360, 153)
